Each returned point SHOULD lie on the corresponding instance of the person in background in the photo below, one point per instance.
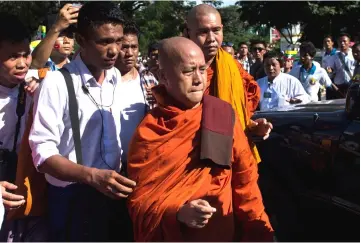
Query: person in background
(153, 62)
(279, 89)
(54, 50)
(330, 51)
(244, 56)
(343, 65)
(258, 48)
(356, 56)
(228, 47)
(312, 77)
(288, 63)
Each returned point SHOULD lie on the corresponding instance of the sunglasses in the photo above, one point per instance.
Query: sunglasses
(230, 44)
(257, 49)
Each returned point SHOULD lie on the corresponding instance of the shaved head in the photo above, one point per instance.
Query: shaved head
(204, 26)
(182, 70)
(199, 11)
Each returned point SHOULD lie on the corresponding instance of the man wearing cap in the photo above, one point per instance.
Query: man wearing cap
(53, 51)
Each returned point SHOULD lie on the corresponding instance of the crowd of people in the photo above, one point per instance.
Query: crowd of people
(99, 146)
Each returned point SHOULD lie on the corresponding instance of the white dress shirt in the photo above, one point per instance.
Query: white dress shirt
(283, 88)
(341, 76)
(312, 81)
(51, 133)
(8, 116)
(133, 109)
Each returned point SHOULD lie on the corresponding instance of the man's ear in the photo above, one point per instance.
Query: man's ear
(80, 40)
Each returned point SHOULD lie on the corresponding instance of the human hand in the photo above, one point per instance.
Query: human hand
(10, 200)
(294, 101)
(68, 15)
(196, 213)
(31, 84)
(111, 183)
(260, 127)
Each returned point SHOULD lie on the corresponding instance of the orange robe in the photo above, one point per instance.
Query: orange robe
(253, 91)
(164, 160)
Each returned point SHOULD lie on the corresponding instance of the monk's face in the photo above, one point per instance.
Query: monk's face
(207, 32)
(185, 81)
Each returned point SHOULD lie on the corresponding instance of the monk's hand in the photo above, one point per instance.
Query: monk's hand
(10, 200)
(111, 183)
(260, 127)
(196, 213)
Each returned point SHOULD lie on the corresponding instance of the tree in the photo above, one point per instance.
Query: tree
(316, 18)
(214, 3)
(161, 19)
(235, 30)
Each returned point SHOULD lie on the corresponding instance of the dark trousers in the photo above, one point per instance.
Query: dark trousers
(81, 213)
(332, 94)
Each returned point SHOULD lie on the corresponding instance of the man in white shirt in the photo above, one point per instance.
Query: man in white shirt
(343, 65)
(312, 77)
(135, 93)
(327, 57)
(279, 89)
(15, 59)
(81, 205)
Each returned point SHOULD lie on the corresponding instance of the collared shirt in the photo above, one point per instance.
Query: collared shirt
(8, 116)
(284, 87)
(341, 75)
(327, 58)
(99, 119)
(147, 79)
(312, 80)
(246, 64)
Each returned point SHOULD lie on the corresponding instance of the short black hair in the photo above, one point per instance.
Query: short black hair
(328, 36)
(131, 28)
(357, 44)
(153, 47)
(12, 29)
(276, 55)
(344, 34)
(258, 41)
(242, 43)
(308, 47)
(94, 14)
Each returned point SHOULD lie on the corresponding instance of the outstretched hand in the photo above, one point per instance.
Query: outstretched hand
(260, 127)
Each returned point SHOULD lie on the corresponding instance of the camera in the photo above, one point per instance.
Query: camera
(8, 165)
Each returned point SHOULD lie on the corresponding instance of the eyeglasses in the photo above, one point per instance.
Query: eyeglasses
(230, 44)
(257, 49)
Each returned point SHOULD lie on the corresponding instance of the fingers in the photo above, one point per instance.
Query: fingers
(204, 209)
(12, 204)
(125, 181)
(8, 185)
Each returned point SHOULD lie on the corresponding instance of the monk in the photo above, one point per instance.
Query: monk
(226, 78)
(195, 173)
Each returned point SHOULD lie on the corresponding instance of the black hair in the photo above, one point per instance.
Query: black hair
(328, 36)
(242, 43)
(258, 41)
(276, 55)
(357, 44)
(344, 34)
(152, 47)
(94, 14)
(131, 28)
(12, 29)
(308, 47)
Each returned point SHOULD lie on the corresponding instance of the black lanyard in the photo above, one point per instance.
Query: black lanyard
(20, 110)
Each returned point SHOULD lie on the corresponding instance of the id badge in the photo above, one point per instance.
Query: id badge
(266, 95)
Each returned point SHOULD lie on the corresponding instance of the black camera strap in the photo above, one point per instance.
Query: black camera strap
(20, 110)
(73, 113)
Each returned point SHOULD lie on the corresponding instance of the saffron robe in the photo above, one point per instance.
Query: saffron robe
(227, 80)
(165, 161)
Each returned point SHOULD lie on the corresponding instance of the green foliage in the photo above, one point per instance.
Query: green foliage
(235, 30)
(316, 17)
